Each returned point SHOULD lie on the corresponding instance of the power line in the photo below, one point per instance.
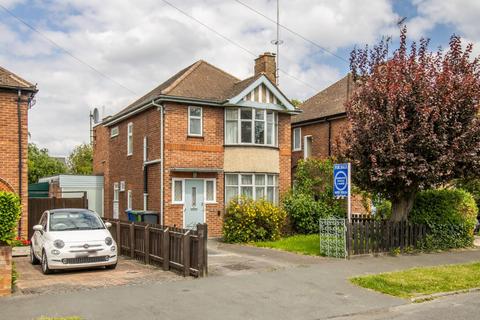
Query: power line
(293, 31)
(65, 50)
(231, 41)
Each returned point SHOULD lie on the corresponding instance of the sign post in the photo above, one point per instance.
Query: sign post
(342, 185)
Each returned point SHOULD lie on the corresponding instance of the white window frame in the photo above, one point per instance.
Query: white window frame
(195, 117)
(305, 146)
(129, 138)
(295, 132)
(173, 191)
(214, 181)
(129, 200)
(122, 186)
(254, 186)
(145, 148)
(239, 120)
(113, 132)
(116, 196)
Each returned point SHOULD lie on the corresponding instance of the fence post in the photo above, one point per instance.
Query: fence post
(186, 253)
(349, 238)
(166, 249)
(132, 240)
(147, 244)
(85, 200)
(119, 241)
(202, 250)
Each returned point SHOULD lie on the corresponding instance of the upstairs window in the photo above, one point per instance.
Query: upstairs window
(194, 121)
(250, 126)
(297, 139)
(114, 132)
(130, 139)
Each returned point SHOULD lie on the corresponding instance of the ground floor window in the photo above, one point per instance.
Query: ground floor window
(253, 185)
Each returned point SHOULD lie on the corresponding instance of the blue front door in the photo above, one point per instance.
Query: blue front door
(194, 199)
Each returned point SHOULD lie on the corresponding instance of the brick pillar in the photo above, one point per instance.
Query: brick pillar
(5, 271)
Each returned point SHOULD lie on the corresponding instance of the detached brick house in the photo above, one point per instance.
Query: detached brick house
(15, 97)
(196, 141)
(316, 130)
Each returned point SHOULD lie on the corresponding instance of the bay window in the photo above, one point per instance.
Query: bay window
(250, 126)
(255, 186)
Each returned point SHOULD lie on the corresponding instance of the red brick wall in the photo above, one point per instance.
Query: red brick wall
(180, 151)
(320, 149)
(9, 175)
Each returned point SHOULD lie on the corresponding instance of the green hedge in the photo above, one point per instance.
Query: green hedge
(10, 210)
(450, 215)
(312, 196)
(247, 220)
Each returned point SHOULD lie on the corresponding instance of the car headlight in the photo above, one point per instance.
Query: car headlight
(59, 244)
(108, 241)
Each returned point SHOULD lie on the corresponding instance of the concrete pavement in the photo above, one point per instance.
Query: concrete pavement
(304, 291)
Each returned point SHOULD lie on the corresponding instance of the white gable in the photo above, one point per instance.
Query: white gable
(262, 93)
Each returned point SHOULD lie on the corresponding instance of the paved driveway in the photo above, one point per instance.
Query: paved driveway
(128, 272)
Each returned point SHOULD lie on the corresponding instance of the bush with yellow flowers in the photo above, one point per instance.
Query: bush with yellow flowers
(247, 220)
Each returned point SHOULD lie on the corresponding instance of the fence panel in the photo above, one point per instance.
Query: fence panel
(367, 235)
(182, 250)
(333, 237)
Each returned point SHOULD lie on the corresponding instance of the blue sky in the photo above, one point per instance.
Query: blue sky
(140, 44)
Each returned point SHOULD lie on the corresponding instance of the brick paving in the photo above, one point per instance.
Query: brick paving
(31, 280)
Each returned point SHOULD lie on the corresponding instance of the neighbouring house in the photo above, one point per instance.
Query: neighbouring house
(196, 141)
(74, 186)
(16, 95)
(316, 130)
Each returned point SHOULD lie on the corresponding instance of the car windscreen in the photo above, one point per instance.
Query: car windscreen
(74, 220)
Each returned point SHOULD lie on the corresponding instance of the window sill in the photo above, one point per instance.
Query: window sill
(194, 136)
(251, 146)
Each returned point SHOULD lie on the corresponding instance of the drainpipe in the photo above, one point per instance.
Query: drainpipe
(20, 154)
(161, 108)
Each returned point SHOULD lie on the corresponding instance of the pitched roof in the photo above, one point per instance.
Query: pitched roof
(200, 80)
(327, 102)
(10, 80)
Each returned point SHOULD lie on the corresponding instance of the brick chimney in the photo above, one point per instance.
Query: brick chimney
(265, 63)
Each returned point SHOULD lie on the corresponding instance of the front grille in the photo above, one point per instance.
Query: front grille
(85, 260)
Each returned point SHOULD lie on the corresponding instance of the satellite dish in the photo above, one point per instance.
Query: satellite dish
(96, 116)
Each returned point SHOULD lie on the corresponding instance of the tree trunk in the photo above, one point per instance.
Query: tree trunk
(402, 206)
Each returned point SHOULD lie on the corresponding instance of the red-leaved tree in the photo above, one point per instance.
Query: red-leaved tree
(414, 119)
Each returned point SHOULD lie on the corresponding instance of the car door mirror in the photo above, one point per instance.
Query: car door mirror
(38, 227)
(108, 225)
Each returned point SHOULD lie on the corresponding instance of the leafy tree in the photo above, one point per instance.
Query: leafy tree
(414, 119)
(40, 164)
(80, 160)
(296, 102)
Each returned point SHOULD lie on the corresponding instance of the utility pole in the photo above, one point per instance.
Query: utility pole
(277, 42)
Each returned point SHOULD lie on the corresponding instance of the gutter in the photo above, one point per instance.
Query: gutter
(320, 120)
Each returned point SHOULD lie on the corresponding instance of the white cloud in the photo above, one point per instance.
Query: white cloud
(141, 44)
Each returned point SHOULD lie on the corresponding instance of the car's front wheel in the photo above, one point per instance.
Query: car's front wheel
(33, 258)
(45, 268)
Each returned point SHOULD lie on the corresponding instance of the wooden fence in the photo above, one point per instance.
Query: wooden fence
(182, 250)
(366, 235)
(37, 206)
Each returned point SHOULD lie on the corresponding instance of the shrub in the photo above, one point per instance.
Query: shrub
(247, 220)
(10, 210)
(312, 196)
(449, 214)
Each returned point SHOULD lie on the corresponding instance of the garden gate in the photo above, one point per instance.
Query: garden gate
(333, 237)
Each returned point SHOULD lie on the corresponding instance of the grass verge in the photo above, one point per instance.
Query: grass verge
(304, 244)
(416, 282)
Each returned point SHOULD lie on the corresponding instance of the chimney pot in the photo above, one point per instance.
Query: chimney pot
(266, 64)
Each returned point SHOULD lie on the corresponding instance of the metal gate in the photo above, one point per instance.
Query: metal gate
(333, 238)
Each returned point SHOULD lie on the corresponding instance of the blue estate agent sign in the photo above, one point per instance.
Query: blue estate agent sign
(341, 179)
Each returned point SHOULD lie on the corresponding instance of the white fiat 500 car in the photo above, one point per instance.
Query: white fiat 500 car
(72, 238)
